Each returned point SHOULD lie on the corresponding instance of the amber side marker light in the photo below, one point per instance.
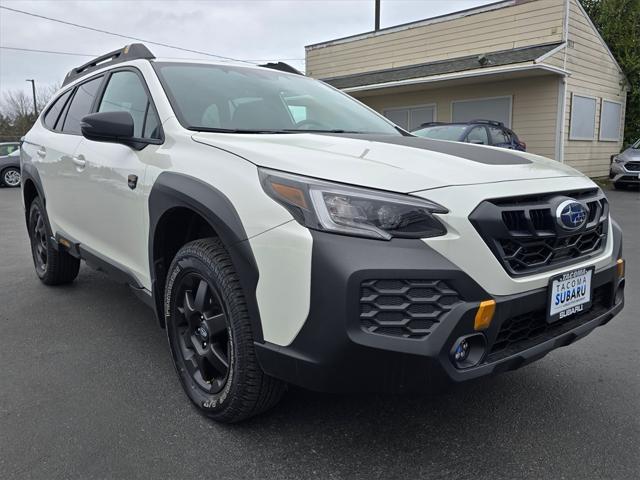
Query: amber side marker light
(484, 315)
(291, 194)
(620, 265)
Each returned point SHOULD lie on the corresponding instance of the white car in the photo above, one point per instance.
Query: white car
(285, 233)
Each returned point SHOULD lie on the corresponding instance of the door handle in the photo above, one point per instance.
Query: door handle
(79, 161)
(42, 152)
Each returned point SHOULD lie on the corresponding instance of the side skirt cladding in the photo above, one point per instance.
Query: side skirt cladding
(185, 199)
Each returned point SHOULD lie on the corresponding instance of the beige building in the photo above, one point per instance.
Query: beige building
(539, 66)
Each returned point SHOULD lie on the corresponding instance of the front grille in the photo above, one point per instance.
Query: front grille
(529, 329)
(632, 166)
(523, 234)
(404, 308)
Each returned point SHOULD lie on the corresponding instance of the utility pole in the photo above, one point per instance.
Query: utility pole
(33, 89)
(377, 21)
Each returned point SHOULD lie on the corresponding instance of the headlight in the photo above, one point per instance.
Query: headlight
(350, 210)
(617, 159)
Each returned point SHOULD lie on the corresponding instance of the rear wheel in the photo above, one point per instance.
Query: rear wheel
(11, 177)
(210, 336)
(53, 266)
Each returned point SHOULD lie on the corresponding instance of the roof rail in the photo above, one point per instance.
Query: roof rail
(134, 51)
(489, 122)
(431, 124)
(283, 67)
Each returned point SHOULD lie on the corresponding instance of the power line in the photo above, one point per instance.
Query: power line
(47, 51)
(64, 22)
(56, 52)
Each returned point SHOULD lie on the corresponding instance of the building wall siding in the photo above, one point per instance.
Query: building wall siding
(526, 23)
(534, 106)
(593, 73)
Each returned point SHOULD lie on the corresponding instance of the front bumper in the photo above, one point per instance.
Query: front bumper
(620, 174)
(335, 352)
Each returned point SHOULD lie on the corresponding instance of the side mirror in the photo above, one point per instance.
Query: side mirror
(115, 127)
(108, 126)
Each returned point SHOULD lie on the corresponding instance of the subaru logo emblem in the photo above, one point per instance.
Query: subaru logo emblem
(202, 332)
(571, 215)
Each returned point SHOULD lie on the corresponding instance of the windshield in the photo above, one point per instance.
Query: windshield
(249, 100)
(442, 132)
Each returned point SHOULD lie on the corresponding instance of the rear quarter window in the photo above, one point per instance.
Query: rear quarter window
(53, 114)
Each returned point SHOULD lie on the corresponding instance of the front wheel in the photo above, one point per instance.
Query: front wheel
(210, 335)
(11, 177)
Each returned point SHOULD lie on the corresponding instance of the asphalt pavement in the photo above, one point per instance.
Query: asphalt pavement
(87, 390)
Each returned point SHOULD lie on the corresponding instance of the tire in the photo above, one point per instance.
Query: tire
(53, 266)
(210, 336)
(10, 177)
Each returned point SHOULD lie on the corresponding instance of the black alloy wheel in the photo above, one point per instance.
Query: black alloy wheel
(54, 265)
(38, 231)
(211, 336)
(202, 332)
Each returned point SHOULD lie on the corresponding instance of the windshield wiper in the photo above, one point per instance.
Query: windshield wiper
(280, 130)
(307, 130)
(233, 130)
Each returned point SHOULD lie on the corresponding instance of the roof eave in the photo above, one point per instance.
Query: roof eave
(460, 75)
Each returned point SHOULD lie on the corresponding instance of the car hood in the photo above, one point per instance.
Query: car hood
(630, 154)
(387, 162)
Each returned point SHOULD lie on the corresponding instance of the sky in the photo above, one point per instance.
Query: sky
(256, 30)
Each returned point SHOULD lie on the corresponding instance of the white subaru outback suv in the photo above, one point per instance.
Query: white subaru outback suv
(285, 233)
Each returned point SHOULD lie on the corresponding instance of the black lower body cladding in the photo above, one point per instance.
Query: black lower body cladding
(339, 348)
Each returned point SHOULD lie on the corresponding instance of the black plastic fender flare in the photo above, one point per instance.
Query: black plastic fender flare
(173, 190)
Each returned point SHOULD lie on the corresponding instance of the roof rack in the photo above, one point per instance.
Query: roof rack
(283, 67)
(134, 51)
(489, 122)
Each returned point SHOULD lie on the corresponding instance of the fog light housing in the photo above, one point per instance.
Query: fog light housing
(468, 351)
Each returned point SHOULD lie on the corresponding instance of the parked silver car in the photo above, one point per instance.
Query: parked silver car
(10, 169)
(625, 167)
(7, 147)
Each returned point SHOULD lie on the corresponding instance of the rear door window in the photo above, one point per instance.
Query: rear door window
(478, 135)
(499, 136)
(7, 149)
(80, 106)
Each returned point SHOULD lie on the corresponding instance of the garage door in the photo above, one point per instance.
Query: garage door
(410, 118)
(498, 109)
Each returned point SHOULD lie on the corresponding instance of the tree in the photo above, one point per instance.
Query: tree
(618, 21)
(16, 111)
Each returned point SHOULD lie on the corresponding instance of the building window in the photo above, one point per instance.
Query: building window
(495, 108)
(411, 118)
(583, 118)
(610, 118)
